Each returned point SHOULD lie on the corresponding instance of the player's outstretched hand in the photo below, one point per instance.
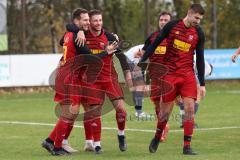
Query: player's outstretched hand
(111, 48)
(234, 57)
(202, 91)
(80, 38)
(138, 54)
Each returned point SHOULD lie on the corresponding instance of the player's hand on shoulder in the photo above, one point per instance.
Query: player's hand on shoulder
(80, 40)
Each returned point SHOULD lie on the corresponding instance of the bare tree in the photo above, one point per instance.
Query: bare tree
(147, 20)
(52, 27)
(214, 24)
(23, 26)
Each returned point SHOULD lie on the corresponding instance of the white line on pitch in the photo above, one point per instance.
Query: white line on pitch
(108, 128)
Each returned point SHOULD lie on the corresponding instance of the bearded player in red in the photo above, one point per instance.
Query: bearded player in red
(69, 101)
(183, 38)
(96, 39)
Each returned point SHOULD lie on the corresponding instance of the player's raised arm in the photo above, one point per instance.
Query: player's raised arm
(161, 36)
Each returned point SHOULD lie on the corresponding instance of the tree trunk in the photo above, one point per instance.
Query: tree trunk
(214, 24)
(52, 27)
(147, 20)
(23, 26)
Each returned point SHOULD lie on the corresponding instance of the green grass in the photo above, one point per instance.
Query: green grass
(219, 109)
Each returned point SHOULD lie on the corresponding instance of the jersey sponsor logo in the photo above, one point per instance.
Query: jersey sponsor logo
(160, 50)
(181, 45)
(96, 51)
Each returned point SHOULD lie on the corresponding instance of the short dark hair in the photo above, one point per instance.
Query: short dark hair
(94, 12)
(197, 8)
(164, 13)
(77, 13)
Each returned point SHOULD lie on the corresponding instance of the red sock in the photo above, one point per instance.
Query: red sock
(188, 131)
(88, 129)
(160, 128)
(121, 120)
(53, 133)
(61, 129)
(69, 130)
(96, 128)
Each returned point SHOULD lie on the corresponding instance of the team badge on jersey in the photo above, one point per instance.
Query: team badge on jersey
(177, 32)
(190, 37)
(66, 39)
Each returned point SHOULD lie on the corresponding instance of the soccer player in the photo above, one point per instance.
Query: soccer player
(97, 38)
(137, 91)
(155, 59)
(70, 110)
(235, 55)
(183, 37)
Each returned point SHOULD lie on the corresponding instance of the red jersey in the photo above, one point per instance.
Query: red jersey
(69, 49)
(159, 52)
(97, 44)
(181, 43)
(155, 67)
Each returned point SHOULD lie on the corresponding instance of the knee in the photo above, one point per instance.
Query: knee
(119, 106)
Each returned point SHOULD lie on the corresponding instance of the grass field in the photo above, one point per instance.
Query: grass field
(217, 138)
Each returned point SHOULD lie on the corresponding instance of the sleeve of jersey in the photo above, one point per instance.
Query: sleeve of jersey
(72, 28)
(147, 42)
(119, 54)
(161, 36)
(85, 50)
(200, 62)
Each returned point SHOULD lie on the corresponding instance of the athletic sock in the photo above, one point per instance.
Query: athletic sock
(61, 129)
(188, 131)
(160, 128)
(88, 129)
(96, 143)
(121, 120)
(53, 133)
(138, 109)
(68, 131)
(121, 132)
(96, 129)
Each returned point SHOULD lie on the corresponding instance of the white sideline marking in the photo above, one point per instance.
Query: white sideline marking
(227, 91)
(107, 128)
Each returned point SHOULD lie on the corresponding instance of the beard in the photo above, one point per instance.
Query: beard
(96, 29)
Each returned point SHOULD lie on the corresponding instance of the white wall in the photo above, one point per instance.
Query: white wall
(27, 70)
